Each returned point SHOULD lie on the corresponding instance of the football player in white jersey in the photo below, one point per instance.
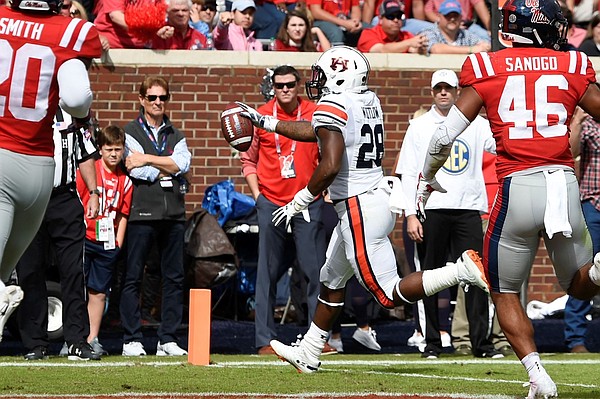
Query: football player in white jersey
(348, 124)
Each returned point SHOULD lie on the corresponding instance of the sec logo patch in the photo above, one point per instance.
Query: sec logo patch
(458, 160)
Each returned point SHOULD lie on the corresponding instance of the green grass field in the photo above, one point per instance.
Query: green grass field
(340, 375)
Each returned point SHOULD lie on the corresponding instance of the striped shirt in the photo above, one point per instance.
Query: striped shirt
(463, 38)
(589, 186)
(70, 149)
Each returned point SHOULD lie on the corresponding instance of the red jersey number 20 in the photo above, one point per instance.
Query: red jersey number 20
(27, 59)
(512, 107)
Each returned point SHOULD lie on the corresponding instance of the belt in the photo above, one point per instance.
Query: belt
(63, 189)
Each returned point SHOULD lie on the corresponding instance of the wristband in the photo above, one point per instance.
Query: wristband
(270, 123)
(95, 191)
(303, 198)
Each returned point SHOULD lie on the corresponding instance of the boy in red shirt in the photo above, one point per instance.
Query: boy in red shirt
(105, 233)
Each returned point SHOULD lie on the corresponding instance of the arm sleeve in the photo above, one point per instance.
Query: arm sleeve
(220, 34)
(441, 142)
(74, 88)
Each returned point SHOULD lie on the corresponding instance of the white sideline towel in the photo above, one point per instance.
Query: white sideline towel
(556, 216)
(393, 186)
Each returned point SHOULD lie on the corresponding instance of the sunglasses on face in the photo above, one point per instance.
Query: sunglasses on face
(153, 97)
(396, 15)
(209, 8)
(280, 86)
(66, 6)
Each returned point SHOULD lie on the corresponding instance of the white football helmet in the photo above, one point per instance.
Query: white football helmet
(339, 69)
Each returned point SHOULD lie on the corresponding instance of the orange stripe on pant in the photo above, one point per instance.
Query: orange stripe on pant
(361, 255)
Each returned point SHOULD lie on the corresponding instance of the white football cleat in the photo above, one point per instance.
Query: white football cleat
(10, 298)
(543, 388)
(294, 355)
(470, 270)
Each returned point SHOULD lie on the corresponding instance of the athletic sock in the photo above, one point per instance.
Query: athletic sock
(439, 279)
(314, 341)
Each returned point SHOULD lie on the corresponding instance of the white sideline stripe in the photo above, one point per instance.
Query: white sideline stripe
(328, 362)
(258, 395)
(23, 363)
(88, 364)
(443, 377)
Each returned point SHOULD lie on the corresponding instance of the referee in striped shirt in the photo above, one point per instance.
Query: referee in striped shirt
(63, 231)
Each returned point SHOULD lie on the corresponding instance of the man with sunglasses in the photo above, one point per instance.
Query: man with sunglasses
(157, 157)
(387, 36)
(202, 16)
(275, 168)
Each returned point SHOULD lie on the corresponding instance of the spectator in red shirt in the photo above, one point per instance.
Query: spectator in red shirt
(177, 34)
(414, 15)
(110, 22)
(297, 34)
(387, 36)
(340, 20)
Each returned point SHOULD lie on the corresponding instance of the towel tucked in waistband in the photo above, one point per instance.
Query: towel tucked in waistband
(556, 216)
(393, 186)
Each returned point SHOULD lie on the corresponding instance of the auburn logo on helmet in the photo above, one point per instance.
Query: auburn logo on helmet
(339, 62)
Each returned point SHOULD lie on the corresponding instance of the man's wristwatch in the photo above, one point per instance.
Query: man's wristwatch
(95, 191)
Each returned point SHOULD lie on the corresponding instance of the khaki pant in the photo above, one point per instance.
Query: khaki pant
(460, 323)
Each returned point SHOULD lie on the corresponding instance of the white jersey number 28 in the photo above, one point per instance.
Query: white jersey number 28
(371, 150)
(32, 59)
(513, 107)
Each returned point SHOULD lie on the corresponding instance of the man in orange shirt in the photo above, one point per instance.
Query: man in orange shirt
(387, 36)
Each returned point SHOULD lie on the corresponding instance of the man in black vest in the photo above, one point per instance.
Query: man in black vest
(157, 157)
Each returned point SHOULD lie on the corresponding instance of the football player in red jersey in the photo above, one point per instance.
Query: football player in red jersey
(43, 58)
(530, 92)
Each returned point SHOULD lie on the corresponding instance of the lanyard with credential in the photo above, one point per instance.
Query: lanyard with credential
(298, 118)
(163, 145)
(105, 206)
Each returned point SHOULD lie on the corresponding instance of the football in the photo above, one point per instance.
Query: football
(237, 130)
